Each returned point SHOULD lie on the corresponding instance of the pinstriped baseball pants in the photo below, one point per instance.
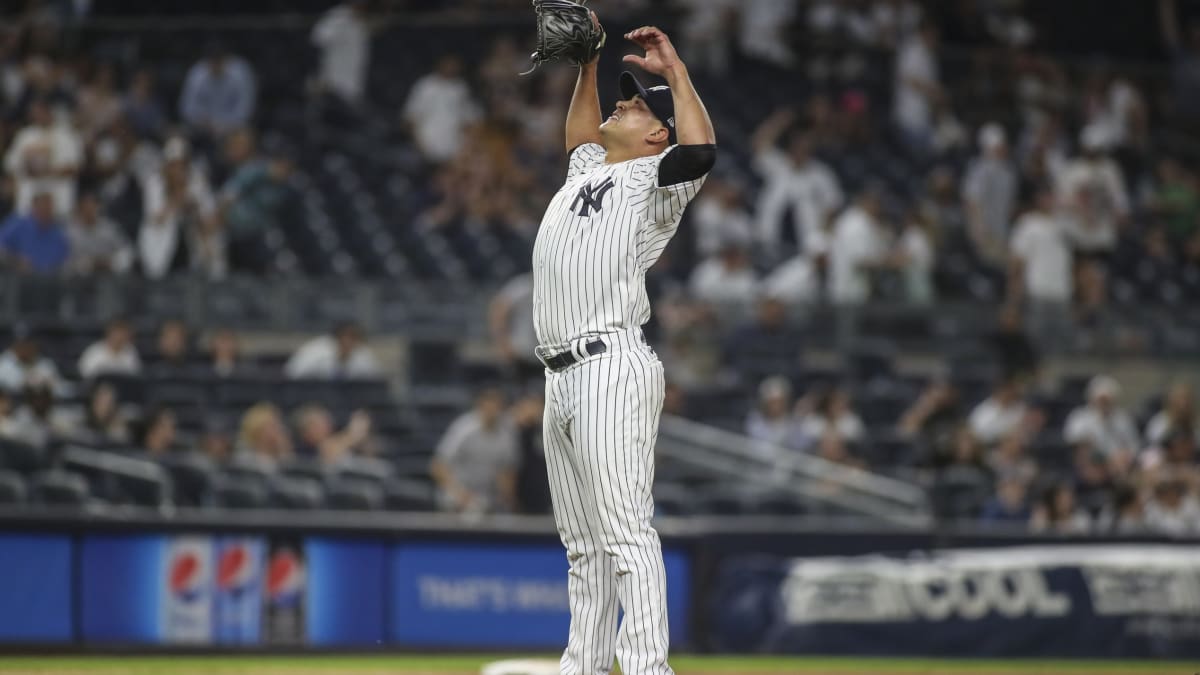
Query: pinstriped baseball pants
(601, 422)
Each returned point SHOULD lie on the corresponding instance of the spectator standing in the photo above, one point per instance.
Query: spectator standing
(1178, 416)
(343, 36)
(1092, 190)
(439, 108)
(98, 103)
(341, 354)
(97, 244)
(1041, 271)
(990, 195)
(115, 354)
(45, 158)
(914, 259)
(254, 202)
(859, 247)
(36, 242)
(1101, 424)
(1000, 414)
(179, 227)
(510, 319)
(475, 464)
(796, 184)
(22, 364)
(218, 94)
(142, 108)
(917, 88)
(533, 485)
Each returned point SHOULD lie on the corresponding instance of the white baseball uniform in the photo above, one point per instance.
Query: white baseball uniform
(602, 231)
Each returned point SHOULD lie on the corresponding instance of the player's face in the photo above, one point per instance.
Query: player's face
(631, 121)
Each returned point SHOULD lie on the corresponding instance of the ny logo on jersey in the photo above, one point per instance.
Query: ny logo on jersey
(591, 195)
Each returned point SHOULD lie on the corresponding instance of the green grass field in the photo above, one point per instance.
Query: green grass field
(470, 665)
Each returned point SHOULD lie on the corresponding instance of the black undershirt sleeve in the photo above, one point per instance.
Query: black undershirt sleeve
(685, 163)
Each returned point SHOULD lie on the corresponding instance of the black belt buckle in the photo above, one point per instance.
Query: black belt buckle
(564, 360)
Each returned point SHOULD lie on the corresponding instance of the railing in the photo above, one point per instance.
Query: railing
(807, 477)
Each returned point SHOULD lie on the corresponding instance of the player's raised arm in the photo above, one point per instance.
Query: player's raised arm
(583, 117)
(692, 125)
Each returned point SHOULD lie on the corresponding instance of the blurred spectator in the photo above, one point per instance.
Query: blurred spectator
(831, 412)
(1092, 190)
(159, 432)
(1016, 354)
(1173, 509)
(179, 228)
(795, 282)
(990, 194)
(342, 354)
(1125, 516)
(38, 420)
(1008, 505)
(22, 364)
(1185, 54)
(142, 107)
(97, 243)
(1174, 455)
(510, 320)
(966, 473)
(858, 248)
(726, 280)
(97, 104)
(343, 35)
(533, 485)
(216, 442)
(1041, 271)
(719, 214)
(1178, 416)
(45, 158)
(1057, 513)
(174, 348)
(115, 354)
(103, 419)
(475, 463)
(1100, 424)
(914, 259)
(218, 94)
(771, 421)
(1000, 414)
(1010, 457)
(934, 417)
(799, 195)
(36, 242)
(917, 88)
(706, 33)
(832, 447)
(439, 108)
(1176, 200)
(254, 202)
(762, 30)
(225, 352)
(767, 344)
(941, 206)
(7, 406)
(316, 436)
(263, 436)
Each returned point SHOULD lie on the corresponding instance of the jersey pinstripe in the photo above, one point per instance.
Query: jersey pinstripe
(602, 231)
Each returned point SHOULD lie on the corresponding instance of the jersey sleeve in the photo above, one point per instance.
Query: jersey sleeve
(664, 204)
(584, 158)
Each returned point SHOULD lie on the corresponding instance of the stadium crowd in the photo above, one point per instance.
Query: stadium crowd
(1050, 207)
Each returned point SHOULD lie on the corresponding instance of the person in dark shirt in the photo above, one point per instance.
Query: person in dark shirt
(533, 487)
(1015, 352)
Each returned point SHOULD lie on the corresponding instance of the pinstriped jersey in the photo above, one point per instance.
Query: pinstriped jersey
(603, 230)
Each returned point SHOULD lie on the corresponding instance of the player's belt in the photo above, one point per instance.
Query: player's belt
(564, 360)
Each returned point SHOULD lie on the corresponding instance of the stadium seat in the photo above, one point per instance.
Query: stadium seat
(191, 475)
(237, 492)
(58, 488)
(407, 495)
(308, 469)
(289, 492)
(353, 495)
(22, 457)
(12, 488)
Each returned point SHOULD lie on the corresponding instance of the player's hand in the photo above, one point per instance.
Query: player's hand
(660, 53)
(596, 23)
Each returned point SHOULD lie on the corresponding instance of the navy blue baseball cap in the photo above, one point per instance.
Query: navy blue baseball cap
(658, 99)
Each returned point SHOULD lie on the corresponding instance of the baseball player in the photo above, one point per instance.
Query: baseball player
(630, 176)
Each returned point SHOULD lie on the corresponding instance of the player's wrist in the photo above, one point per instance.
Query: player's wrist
(675, 73)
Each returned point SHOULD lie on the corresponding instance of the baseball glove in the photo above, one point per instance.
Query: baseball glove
(565, 31)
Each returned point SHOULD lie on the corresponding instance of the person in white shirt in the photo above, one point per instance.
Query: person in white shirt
(858, 247)
(439, 108)
(1173, 509)
(1041, 270)
(179, 224)
(1178, 416)
(914, 259)
(343, 35)
(115, 354)
(1092, 189)
(97, 243)
(726, 280)
(917, 87)
(475, 463)
(718, 214)
(832, 414)
(45, 156)
(1000, 414)
(219, 93)
(794, 181)
(772, 421)
(796, 281)
(342, 354)
(990, 194)
(1102, 425)
(762, 27)
(22, 363)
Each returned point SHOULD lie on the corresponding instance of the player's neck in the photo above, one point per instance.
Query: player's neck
(615, 153)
